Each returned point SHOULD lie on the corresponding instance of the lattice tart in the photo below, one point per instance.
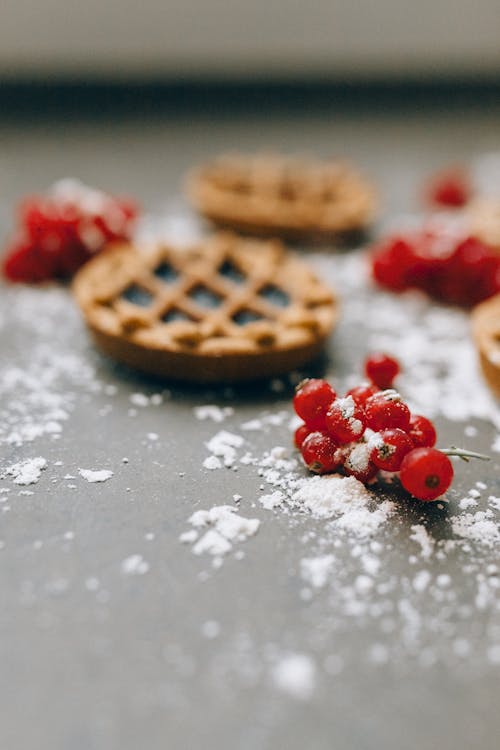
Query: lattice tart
(226, 309)
(486, 333)
(271, 195)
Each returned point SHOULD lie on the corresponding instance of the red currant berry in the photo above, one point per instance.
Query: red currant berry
(24, 263)
(361, 393)
(381, 369)
(312, 399)
(450, 188)
(388, 448)
(320, 453)
(385, 410)
(391, 262)
(422, 432)
(345, 420)
(426, 473)
(357, 463)
(300, 435)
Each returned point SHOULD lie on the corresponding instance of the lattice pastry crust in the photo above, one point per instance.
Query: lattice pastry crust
(224, 310)
(486, 332)
(271, 195)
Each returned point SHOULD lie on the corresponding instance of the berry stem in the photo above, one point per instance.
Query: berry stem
(464, 454)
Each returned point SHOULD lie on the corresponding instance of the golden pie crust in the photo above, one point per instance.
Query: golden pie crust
(223, 310)
(484, 220)
(486, 333)
(287, 197)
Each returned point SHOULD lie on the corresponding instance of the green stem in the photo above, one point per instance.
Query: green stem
(464, 454)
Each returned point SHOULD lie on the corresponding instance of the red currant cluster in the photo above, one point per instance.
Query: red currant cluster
(370, 429)
(59, 231)
(458, 272)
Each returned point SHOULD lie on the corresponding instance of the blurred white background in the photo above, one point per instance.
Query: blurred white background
(256, 38)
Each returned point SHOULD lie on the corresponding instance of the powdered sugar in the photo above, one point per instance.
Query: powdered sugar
(345, 499)
(38, 384)
(213, 412)
(480, 527)
(223, 445)
(273, 500)
(25, 472)
(316, 570)
(420, 535)
(295, 674)
(225, 529)
(135, 565)
(99, 475)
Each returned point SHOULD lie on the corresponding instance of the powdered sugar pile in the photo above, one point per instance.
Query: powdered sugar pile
(99, 475)
(223, 447)
(25, 472)
(225, 528)
(347, 501)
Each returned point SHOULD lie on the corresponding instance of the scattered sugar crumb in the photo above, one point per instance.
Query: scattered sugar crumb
(470, 430)
(139, 399)
(478, 527)
(188, 537)
(265, 421)
(134, 565)
(467, 502)
(225, 528)
(25, 472)
(99, 475)
(424, 539)
(272, 501)
(347, 501)
(223, 445)
(210, 629)
(316, 570)
(213, 412)
(421, 580)
(295, 674)
(212, 462)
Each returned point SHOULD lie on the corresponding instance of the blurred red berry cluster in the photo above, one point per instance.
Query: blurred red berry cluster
(61, 230)
(454, 271)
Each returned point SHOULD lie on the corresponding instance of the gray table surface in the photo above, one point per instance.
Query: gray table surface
(184, 654)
